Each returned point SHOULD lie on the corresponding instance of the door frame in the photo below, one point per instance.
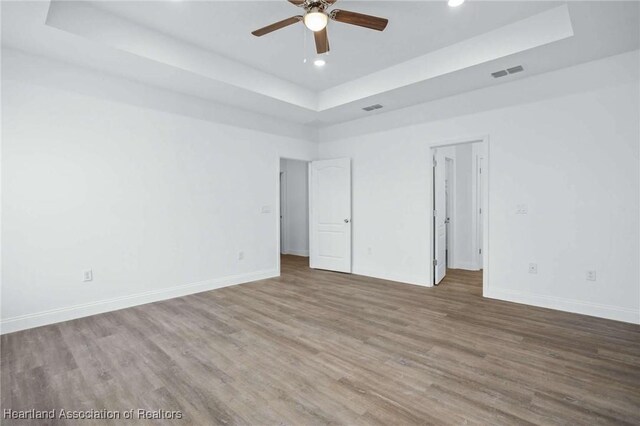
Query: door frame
(484, 151)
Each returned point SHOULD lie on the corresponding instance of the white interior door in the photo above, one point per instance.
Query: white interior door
(283, 203)
(480, 219)
(439, 218)
(330, 215)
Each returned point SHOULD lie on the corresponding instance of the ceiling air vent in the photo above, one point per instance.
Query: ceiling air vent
(372, 107)
(508, 71)
(515, 69)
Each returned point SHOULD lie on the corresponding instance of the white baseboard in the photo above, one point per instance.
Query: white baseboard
(38, 319)
(467, 266)
(404, 279)
(303, 253)
(568, 305)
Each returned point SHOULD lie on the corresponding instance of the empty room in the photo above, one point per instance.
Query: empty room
(320, 212)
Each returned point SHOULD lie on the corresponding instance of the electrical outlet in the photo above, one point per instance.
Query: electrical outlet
(87, 275)
(533, 268)
(240, 255)
(591, 275)
(522, 209)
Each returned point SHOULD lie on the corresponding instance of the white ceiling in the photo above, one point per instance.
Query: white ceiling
(415, 28)
(429, 51)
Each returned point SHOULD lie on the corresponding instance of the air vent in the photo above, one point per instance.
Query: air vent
(515, 69)
(508, 71)
(372, 107)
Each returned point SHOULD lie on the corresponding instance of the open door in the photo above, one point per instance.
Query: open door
(479, 219)
(439, 218)
(330, 215)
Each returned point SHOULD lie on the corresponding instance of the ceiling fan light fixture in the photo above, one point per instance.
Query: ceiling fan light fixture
(315, 21)
(319, 63)
(455, 3)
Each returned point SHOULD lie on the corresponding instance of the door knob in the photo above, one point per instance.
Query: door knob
(346, 221)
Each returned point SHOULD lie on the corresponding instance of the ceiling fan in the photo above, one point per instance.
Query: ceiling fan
(316, 18)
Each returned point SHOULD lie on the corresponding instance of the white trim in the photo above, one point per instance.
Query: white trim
(38, 319)
(567, 305)
(303, 253)
(401, 279)
(467, 266)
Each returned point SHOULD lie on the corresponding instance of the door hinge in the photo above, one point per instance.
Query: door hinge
(435, 262)
(480, 251)
(435, 162)
(435, 213)
(480, 170)
(480, 210)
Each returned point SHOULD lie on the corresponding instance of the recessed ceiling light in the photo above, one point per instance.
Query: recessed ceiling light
(455, 3)
(319, 62)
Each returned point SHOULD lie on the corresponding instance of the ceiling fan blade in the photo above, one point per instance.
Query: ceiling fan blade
(362, 20)
(277, 26)
(296, 2)
(322, 41)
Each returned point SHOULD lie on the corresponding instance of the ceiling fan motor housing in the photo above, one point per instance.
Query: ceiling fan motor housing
(316, 5)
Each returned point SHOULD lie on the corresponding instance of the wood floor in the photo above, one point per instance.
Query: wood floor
(314, 347)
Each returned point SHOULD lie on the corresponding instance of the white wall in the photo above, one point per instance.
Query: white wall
(296, 207)
(572, 158)
(159, 203)
(156, 204)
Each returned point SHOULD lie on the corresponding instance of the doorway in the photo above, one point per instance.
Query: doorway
(314, 204)
(294, 209)
(459, 207)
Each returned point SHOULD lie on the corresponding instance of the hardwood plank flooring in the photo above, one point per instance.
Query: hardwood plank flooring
(315, 347)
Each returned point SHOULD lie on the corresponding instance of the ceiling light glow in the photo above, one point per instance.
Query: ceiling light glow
(455, 3)
(319, 62)
(315, 21)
